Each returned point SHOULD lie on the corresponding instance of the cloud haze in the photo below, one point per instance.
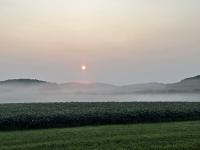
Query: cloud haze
(120, 41)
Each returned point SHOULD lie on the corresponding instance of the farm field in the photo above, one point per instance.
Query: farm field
(51, 115)
(150, 136)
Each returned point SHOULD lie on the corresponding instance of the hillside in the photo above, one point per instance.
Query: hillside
(20, 90)
(22, 82)
(187, 85)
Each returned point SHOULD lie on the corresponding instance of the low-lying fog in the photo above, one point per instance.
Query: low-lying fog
(29, 98)
(28, 91)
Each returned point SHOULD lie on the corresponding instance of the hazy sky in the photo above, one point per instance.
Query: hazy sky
(120, 41)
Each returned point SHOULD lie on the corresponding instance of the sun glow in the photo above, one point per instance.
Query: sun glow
(83, 67)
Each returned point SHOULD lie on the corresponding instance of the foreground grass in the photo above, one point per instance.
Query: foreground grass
(164, 136)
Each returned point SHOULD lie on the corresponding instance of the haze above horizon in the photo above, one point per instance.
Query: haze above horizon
(119, 42)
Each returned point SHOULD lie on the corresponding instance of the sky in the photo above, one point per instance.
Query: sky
(120, 41)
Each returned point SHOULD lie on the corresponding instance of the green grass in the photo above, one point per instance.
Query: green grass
(154, 136)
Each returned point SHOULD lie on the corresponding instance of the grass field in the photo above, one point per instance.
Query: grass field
(51, 115)
(160, 136)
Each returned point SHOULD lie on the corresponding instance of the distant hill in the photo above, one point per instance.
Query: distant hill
(22, 82)
(187, 85)
(142, 88)
(36, 88)
(87, 85)
(192, 78)
(88, 88)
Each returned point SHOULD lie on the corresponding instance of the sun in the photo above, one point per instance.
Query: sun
(83, 67)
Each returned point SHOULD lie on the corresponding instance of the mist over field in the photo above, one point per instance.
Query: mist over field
(99, 74)
(29, 90)
(98, 42)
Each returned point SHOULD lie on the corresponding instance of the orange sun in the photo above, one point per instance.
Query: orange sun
(83, 67)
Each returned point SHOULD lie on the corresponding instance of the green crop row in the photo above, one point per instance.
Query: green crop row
(48, 115)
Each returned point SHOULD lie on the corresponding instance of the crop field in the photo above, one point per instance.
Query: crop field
(53, 115)
(150, 136)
